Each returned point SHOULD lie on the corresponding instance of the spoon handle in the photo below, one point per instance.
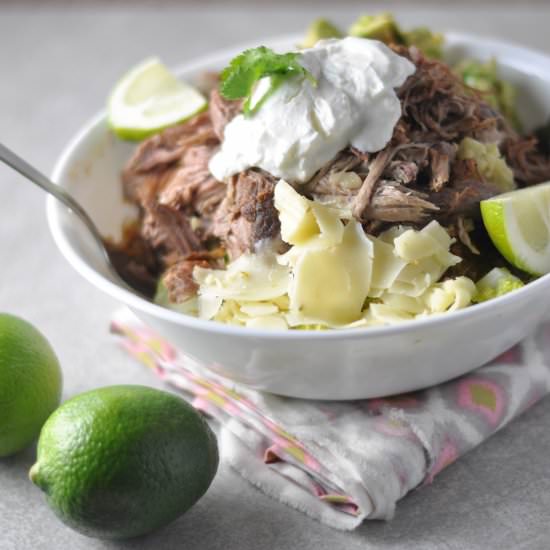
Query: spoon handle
(31, 173)
(25, 169)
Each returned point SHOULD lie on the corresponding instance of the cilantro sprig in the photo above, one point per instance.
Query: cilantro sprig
(244, 71)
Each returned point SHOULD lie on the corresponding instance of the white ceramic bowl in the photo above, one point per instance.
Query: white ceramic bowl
(346, 364)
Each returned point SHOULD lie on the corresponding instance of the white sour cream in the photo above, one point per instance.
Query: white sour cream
(301, 126)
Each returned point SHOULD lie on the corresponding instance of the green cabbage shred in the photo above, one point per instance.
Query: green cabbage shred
(498, 93)
(481, 76)
(383, 27)
(320, 29)
(497, 282)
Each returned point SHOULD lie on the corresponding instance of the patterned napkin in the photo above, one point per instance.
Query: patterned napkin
(343, 462)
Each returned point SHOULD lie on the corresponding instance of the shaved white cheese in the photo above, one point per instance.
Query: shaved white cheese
(386, 267)
(230, 314)
(425, 254)
(330, 226)
(330, 284)
(392, 233)
(386, 315)
(375, 292)
(302, 219)
(209, 305)
(259, 309)
(282, 302)
(416, 278)
(415, 245)
(298, 223)
(404, 303)
(450, 295)
(438, 232)
(251, 277)
(347, 180)
(270, 322)
(432, 240)
(334, 276)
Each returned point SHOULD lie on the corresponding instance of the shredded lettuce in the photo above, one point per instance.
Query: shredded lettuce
(189, 307)
(320, 29)
(161, 295)
(498, 93)
(482, 76)
(383, 27)
(497, 282)
(377, 27)
(429, 43)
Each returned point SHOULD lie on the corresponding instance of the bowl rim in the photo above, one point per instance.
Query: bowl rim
(134, 301)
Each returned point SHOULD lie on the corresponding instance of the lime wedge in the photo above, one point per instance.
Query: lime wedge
(518, 223)
(149, 98)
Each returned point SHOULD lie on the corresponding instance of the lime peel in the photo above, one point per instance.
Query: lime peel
(120, 461)
(33, 473)
(518, 223)
(30, 383)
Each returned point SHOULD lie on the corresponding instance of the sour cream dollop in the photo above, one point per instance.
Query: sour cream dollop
(303, 125)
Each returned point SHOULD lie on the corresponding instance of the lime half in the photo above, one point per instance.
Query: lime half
(518, 223)
(149, 98)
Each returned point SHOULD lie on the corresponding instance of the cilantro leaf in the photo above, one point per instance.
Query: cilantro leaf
(242, 73)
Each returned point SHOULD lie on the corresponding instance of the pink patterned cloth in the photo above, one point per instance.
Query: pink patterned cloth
(343, 462)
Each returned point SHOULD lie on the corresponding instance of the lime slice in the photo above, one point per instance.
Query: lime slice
(149, 98)
(518, 223)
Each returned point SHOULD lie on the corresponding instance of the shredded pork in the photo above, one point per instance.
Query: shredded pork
(247, 215)
(186, 213)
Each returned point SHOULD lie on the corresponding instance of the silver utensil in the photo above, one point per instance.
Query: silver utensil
(25, 169)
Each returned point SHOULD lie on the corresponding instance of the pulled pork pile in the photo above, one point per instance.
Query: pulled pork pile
(188, 218)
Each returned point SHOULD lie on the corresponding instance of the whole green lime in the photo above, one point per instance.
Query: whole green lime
(30, 383)
(121, 461)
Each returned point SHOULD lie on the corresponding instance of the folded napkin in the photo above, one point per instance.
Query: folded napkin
(343, 462)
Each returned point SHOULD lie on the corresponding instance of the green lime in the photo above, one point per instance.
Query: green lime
(121, 461)
(149, 98)
(30, 383)
(518, 223)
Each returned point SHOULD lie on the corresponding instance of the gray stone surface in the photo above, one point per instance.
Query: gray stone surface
(57, 68)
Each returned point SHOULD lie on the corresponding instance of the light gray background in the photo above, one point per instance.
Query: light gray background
(56, 68)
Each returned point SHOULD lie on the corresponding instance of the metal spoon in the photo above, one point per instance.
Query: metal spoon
(25, 169)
